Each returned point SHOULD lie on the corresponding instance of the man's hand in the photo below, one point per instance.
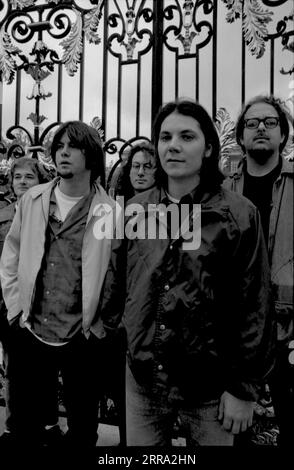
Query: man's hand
(235, 414)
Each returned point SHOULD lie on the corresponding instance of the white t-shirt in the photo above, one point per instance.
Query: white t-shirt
(64, 203)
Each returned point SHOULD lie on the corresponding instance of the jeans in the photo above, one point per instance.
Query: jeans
(32, 373)
(150, 419)
(281, 385)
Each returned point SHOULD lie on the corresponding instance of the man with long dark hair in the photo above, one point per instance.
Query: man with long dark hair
(138, 172)
(52, 270)
(193, 297)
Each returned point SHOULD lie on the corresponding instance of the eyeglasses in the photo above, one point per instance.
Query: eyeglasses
(269, 122)
(147, 167)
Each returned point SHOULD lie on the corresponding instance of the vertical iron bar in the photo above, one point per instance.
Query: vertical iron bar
(36, 126)
(17, 97)
(138, 97)
(157, 58)
(105, 67)
(59, 93)
(214, 61)
(176, 75)
(197, 75)
(82, 74)
(243, 52)
(37, 103)
(119, 92)
(272, 69)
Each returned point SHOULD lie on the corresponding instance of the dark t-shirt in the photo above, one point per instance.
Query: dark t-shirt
(258, 189)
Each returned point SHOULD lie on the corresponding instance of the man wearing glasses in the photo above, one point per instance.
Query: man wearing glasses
(266, 178)
(142, 171)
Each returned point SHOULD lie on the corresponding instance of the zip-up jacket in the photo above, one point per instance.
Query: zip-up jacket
(6, 218)
(198, 321)
(280, 244)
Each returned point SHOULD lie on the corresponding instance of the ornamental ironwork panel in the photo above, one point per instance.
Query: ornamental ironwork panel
(112, 63)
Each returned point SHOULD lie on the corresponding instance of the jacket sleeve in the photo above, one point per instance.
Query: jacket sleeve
(9, 266)
(251, 329)
(114, 290)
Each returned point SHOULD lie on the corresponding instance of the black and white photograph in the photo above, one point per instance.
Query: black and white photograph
(146, 232)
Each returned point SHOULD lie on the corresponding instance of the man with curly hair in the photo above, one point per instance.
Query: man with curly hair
(266, 178)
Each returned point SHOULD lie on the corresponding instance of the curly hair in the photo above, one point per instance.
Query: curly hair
(277, 105)
(123, 185)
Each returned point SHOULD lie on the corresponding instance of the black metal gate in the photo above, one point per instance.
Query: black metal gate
(114, 62)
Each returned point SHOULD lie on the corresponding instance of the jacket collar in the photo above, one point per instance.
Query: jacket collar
(7, 212)
(44, 188)
(100, 199)
(199, 195)
(287, 168)
(158, 195)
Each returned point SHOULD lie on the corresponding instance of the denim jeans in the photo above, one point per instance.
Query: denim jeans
(150, 419)
(32, 372)
(281, 384)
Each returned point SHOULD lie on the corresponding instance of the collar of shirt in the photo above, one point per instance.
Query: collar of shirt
(79, 210)
(195, 196)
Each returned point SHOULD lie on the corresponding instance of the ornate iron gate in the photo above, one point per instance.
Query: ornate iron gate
(113, 62)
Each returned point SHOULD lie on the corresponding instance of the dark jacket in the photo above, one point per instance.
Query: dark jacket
(6, 218)
(197, 321)
(280, 244)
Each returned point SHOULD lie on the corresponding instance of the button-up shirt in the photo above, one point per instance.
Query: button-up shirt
(57, 309)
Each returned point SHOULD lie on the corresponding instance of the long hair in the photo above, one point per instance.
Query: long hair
(85, 138)
(123, 186)
(277, 105)
(210, 175)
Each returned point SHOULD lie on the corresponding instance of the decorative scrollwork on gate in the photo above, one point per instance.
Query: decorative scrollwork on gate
(132, 28)
(255, 20)
(8, 53)
(20, 27)
(22, 21)
(130, 35)
(285, 35)
(189, 32)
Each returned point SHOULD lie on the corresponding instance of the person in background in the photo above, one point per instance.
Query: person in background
(137, 174)
(197, 315)
(25, 173)
(267, 179)
(52, 271)
(138, 171)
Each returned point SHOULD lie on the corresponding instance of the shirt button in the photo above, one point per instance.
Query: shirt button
(45, 320)
(166, 287)
(162, 327)
(47, 292)
(52, 264)
(160, 367)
